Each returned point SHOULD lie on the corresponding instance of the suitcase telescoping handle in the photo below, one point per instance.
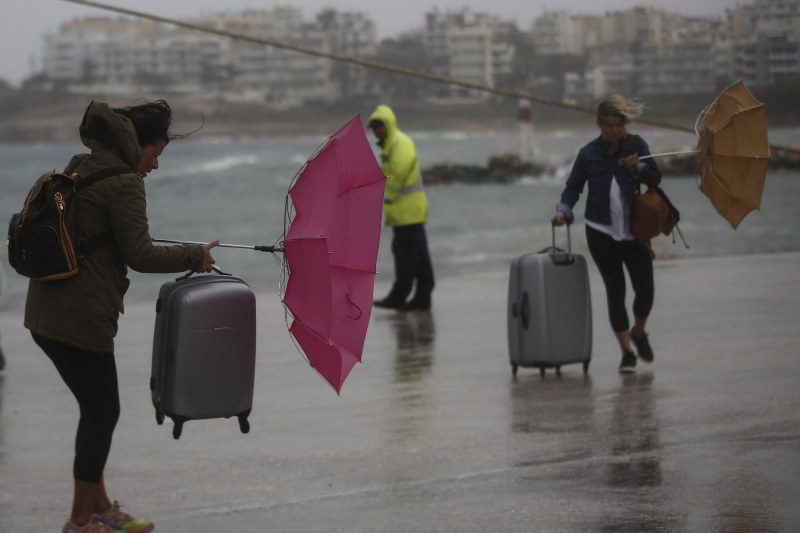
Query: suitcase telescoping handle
(189, 273)
(569, 237)
(559, 256)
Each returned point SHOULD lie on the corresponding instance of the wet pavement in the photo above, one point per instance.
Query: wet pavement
(432, 432)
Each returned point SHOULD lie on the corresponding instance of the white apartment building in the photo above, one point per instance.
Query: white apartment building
(613, 44)
(268, 74)
(638, 51)
(118, 56)
(561, 32)
(649, 51)
(609, 70)
(589, 85)
(558, 33)
(123, 56)
(682, 66)
(641, 25)
(467, 40)
(350, 34)
(81, 55)
(470, 52)
(766, 41)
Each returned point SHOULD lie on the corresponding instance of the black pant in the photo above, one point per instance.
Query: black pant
(412, 262)
(92, 378)
(609, 256)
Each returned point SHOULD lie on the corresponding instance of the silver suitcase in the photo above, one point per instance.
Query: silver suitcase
(204, 347)
(549, 310)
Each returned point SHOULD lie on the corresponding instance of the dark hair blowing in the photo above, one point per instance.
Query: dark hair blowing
(151, 121)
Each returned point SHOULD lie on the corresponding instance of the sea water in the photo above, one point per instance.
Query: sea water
(234, 189)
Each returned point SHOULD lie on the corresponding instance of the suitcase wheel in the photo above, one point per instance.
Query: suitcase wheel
(244, 425)
(514, 368)
(543, 370)
(159, 417)
(177, 429)
(586, 367)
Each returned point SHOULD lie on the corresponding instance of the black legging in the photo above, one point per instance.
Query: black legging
(609, 256)
(92, 378)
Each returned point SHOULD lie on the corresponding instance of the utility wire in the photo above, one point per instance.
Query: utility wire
(384, 67)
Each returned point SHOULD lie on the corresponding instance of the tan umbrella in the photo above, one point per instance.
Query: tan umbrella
(733, 152)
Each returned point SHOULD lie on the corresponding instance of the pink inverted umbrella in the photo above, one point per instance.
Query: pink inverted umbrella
(331, 251)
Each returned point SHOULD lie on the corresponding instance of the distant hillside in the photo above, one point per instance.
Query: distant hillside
(31, 116)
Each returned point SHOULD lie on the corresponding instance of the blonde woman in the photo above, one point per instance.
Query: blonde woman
(611, 167)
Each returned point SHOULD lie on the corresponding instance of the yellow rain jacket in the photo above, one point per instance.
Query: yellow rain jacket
(404, 199)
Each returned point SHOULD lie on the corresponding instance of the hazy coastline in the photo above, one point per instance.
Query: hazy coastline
(37, 116)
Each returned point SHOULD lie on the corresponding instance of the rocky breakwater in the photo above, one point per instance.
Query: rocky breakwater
(509, 168)
(501, 168)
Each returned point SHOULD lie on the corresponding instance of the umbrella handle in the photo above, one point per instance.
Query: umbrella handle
(271, 249)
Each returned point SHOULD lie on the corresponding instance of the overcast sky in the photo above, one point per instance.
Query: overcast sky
(25, 21)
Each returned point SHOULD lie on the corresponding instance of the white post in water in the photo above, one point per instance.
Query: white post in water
(528, 147)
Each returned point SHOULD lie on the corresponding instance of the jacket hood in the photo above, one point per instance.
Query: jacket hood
(103, 130)
(385, 114)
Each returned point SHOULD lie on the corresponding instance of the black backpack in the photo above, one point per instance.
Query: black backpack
(41, 241)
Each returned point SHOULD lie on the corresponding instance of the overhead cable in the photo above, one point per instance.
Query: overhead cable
(380, 66)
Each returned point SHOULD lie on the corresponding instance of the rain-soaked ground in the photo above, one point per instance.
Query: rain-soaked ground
(432, 432)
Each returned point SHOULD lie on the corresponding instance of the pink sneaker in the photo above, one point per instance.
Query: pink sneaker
(121, 521)
(95, 525)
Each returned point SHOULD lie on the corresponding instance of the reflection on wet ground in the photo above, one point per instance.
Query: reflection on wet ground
(634, 459)
(608, 442)
(552, 405)
(433, 433)
(635, 450)
(415, 334)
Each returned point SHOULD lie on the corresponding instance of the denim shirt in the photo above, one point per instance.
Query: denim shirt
(596, 165)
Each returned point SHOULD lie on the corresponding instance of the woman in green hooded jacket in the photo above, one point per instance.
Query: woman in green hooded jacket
(405, 208)
(74, 320)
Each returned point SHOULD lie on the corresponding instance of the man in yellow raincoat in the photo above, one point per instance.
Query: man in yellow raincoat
(405, 209)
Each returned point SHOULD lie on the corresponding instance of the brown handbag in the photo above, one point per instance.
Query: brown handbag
(654, 214)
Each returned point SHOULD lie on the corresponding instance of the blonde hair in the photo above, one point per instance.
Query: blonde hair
(619, 105)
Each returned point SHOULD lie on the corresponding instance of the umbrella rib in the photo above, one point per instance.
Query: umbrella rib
(311, 330)
(354, 269)
(741, 156)
(727, 190)
(363, 185)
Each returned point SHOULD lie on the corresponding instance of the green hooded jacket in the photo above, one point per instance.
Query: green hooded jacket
(404, 200)
(83, 310)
